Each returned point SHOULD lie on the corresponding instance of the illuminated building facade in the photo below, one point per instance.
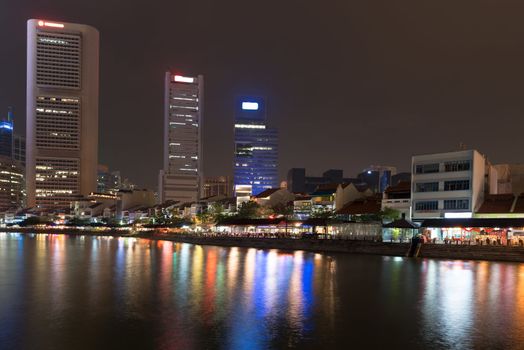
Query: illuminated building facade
(108, 181)
(256, 148)
(12, 194)
(6, 135)
(448, 185)
(62, 112)
(218, 186)
(181, 178)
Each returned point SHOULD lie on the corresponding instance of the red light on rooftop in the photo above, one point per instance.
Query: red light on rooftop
(182, 79)
(50, 24)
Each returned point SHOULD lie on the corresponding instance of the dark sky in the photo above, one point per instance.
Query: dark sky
(349, 83)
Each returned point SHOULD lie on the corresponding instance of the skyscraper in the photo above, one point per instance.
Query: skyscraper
(62, 112)
(6, 135)
(181, 178)
(256, 148)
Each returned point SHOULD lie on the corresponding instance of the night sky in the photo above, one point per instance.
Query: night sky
(348, 83)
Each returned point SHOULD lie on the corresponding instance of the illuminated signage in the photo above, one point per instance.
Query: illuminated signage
(50, 24)
(250, 106)
(4, 125)
(249, 126)
(458, 215)
(181, 79)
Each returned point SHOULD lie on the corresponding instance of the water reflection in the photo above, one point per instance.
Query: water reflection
(85, 292)
(470, 305)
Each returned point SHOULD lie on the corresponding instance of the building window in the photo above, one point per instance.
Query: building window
(426, 206)
(426, 187)
(456, 185)
(456, 204)
(458, 165)
(427, 168)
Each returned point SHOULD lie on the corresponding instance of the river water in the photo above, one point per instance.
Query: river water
(66, 292)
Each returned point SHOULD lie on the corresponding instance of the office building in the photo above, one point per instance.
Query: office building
(6, 135)
(218, 186)
(256, 148)
(62, 112)
(448, 185)
(12, 194)
(377, 177)
(108, 181)
(182, 174)
(298, 182)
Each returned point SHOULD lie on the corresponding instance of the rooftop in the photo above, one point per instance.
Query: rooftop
(267, 193)
(497, 203)
(371, 205)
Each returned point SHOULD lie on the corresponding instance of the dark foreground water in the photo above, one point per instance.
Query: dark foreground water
(59, 292)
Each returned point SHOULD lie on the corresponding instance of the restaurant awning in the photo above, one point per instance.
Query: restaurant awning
(474, 222)
(401, 223)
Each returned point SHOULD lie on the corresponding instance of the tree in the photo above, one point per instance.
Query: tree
(389, 214)
(248, 210)
(216, 210)
(204, 218)
(282, 209)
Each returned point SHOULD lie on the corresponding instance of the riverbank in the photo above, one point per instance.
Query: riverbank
(434, 251)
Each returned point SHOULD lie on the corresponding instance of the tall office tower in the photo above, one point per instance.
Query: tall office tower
(182, 177)
(256, 148)
(62, 112)
(6, 135)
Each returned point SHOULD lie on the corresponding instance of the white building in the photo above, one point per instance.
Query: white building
(448, 184)
(181, 179)
(62, 112)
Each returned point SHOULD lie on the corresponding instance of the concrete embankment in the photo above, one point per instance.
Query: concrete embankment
(472, 252)
(315, 245)
(438, 251)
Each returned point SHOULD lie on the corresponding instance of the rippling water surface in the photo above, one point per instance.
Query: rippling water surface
(59, 292)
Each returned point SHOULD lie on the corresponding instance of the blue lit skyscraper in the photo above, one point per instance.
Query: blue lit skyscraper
(256, 148)
(6, 135)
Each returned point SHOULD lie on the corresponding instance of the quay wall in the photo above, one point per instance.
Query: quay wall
(435, 251)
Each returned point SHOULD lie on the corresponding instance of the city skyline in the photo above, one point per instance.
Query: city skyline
(384, 83)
